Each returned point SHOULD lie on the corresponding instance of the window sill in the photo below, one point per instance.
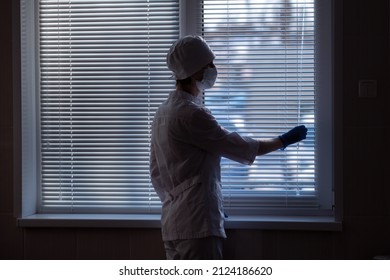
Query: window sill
(322, 223)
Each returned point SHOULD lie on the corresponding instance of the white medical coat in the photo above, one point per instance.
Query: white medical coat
(186, 148)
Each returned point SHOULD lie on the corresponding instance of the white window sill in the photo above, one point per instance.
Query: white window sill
(320, 223)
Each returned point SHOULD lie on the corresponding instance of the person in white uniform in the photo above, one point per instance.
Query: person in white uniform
(186, 148)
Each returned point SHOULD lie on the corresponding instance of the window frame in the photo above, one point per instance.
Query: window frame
(26, 193)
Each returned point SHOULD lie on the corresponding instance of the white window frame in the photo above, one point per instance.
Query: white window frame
(190, 14)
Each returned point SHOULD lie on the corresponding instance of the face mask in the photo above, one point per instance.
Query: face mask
(209, 77)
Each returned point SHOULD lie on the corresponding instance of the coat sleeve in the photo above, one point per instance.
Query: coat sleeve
(207, 134)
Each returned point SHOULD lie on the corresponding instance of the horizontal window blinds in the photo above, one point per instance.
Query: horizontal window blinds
(265, 56)
(102, 76)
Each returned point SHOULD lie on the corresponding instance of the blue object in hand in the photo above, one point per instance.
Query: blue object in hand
(295, 135)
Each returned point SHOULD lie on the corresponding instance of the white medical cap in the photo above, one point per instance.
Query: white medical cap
(188, 55)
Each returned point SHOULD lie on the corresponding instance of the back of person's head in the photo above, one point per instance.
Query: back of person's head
(188, 55)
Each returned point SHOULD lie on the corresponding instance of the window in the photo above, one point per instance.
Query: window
(267, 57)
(101, 74)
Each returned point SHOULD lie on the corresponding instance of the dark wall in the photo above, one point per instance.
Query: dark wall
(362, 52)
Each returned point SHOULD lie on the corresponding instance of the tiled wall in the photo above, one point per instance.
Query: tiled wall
(364, 123)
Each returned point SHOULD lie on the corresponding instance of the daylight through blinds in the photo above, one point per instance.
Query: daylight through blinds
(265, 56)
(102, 76)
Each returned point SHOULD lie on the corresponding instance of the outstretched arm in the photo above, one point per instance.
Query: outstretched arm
(269, 145)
